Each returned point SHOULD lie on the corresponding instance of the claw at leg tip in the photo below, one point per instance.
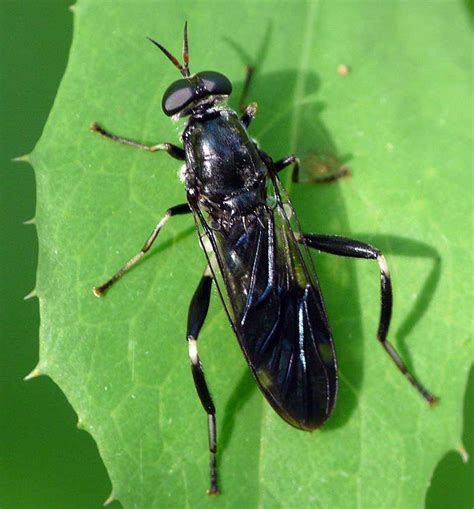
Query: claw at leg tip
(97, 292)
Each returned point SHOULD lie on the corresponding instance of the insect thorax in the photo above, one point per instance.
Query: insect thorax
(223, 163)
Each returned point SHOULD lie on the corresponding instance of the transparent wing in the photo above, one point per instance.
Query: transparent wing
(273, 300)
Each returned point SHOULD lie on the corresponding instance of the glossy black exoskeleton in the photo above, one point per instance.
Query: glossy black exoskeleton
(256, 255)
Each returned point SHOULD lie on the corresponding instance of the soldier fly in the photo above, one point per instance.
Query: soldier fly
(256, 255)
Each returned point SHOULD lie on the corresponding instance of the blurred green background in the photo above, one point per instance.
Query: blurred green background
(45, 462)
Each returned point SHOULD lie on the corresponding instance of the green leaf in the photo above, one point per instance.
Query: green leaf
(398, 119)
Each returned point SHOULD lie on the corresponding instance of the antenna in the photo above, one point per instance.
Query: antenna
(186, 48)
(183, 69)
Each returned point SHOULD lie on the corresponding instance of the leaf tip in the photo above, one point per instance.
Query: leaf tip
(35, 373)
(22, 159)
(30, 221)
(72, 8)
(111, 498)
(30, 295)
(463, 453)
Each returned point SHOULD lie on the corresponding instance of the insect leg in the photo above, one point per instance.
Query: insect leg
(295, 175)
(196, 316)
(342, 246)
(172, 150)
(342, 172)
(245, 89)
(249, 114)
(286, 161)
(173, 211)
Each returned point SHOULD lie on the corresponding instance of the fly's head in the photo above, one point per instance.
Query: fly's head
(198, 91)
(201, 90)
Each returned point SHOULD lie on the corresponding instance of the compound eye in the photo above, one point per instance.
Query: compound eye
(215, 82)
(178, 95)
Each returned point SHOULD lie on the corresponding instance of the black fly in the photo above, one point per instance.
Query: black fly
(256, 255)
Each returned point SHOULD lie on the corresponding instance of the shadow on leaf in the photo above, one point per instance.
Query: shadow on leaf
(451, 484)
